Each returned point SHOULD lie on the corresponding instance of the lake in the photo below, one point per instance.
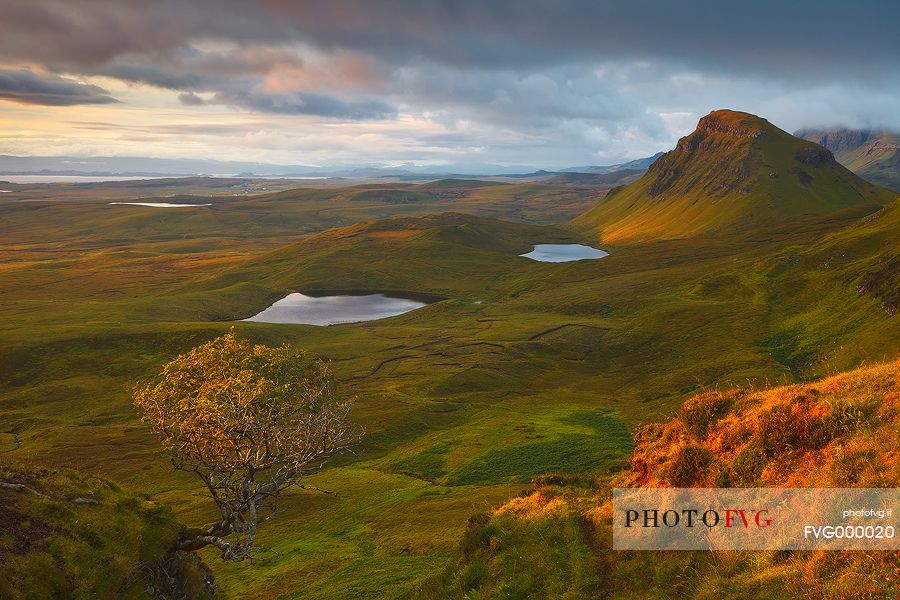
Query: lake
(563, 253)
(301, 309)
(157, 204)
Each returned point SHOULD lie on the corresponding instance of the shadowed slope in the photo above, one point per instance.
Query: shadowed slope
(734, 173)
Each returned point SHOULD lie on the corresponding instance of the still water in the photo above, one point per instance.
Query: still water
(330, 310)
(563, 253)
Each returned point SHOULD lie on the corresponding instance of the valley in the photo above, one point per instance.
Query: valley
(707, 272)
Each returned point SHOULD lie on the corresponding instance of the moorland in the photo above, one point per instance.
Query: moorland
(744, 258)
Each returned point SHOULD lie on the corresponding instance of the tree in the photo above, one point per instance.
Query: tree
(250, 421)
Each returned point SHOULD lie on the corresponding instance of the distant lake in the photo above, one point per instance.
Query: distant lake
(301, 309)
(563, 253)
(78, 178)
(115, 178)
(157, 204)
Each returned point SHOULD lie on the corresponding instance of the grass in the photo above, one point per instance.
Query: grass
(515, 446)
(524, 368)
(554, 540)
(601, 450)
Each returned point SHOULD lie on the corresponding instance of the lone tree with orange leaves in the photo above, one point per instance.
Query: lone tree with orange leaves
(250, 421)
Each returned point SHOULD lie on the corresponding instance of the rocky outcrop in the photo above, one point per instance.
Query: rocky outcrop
(815, 156)
(723, 122)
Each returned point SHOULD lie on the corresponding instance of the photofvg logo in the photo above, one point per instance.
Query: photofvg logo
(755, 518)
(692, 517)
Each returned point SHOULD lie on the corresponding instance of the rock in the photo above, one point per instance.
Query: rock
(18, 487)
(814, 155)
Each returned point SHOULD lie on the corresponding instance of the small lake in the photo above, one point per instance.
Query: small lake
(157, 204)
(563, 253)
(301, 309)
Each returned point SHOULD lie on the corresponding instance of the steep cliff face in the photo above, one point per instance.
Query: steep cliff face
(736, 170)
(716, 156)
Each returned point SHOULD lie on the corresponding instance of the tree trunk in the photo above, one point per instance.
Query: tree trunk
(202, 541)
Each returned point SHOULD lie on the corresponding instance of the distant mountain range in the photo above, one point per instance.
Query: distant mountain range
(874, 155)
(611, 178)
(639, 164)
(735, 172)
(164, 167)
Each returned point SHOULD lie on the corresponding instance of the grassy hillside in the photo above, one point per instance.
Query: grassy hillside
(816, 292)
(553, 541)
(735, 173)
(835, 432)
(66, 535)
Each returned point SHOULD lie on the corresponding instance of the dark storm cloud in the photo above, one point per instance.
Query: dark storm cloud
(803, 38)
(150, 73)
(192, 69)
(27, 87)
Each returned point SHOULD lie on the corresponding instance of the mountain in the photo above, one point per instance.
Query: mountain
(873, 155)
(140, 166)
(137, 167)
(638, 164)
(734, 173)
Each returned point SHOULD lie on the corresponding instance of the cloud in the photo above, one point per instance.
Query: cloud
(766, 36)
(26, 87)
(191, 99)
(299, 103)
(528, 81)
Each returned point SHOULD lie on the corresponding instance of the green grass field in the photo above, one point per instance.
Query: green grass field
(525, 368)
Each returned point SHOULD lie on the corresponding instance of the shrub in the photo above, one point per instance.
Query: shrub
(478, 534)
(787, 428)
(700, 412)
(688, 466)
(748, 465)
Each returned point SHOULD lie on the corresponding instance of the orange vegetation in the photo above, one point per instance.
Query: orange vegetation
(838, 432)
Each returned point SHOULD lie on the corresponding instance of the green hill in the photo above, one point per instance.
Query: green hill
(734, 173)
(873, 155)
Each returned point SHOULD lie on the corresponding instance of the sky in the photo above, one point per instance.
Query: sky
(430, 83)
